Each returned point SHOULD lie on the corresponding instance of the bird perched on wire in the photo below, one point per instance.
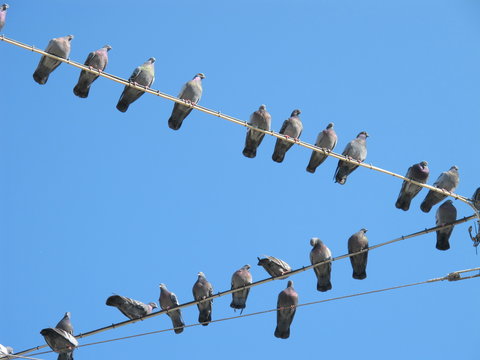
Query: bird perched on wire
(320, 252)
(143, 75)
(167, 301)
(262, 120)
(59, 47)
(240, 278)
(191, 92)
(446, 213)
(356, 150)
(202, 289)
(286, 307)
(448, 181)
(358, 242)
(274, 267)
(61, 339)
(292, 127)
(418, 172)
(131, 308)
(326, 139)
(96, 60)
(3, 15)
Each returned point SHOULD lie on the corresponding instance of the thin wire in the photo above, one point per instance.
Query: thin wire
(19, 357)
(239, 122)
(453, 276)
(260, 282)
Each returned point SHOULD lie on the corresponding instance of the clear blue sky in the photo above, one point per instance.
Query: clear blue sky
(95, 202)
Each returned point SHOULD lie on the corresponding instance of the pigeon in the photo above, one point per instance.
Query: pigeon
(61, 339)
(59, 47)
(3, 15)
(262, 120)
(240, 278)
(274, 267)
(418, 172)
(4, 351)
(358, 242)
(326, 139)
(192, 92)
(447, 180)
(143, 75)
(320, 252)
(286, 306)
(476, 199)
(292, 127)
(97, 60)
(131, 308)
(446, 213)
(167, 301)
(201, 290)
(356, 150)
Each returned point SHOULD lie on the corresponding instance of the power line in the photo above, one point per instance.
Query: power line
(260, 282)
(453, 276)
(238, 121)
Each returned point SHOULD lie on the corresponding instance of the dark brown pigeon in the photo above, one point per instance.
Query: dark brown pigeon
(167, 301)
(3, 15)
(292, 127)
(446, 213)
(447, 180)
(320, 252)
(61, 339)
(96, 60)
(358, 242)
(143, 75)
(476, 199)
(192, 92)
(59, 47)
(131, 308)
(418, 172)
(327, 139)
(286, 306)
(356, 150)
(240, 278)
(202, 289)
(262, 120)
(274, 267)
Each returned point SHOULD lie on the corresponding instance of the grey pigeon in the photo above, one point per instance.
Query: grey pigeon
(202, 289)
(274, 267)
(418, 172)
(292, 127)
(356, 150)
(286, 306)
(192, 92)
(320, 252)
(96, 60)
(326, 139)
(446, 213)
(358, 242)
(476, 199)
(61, 339)
(262, 120)
(131, 308)
(4, 351)
(167, 301)
(447, 180)
(59, 47)
(240, 278)
(143, 75)
(3, 15)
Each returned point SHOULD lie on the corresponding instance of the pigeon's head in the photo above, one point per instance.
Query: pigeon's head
(262, 107)
(296, 112)
(107, 47)
(363, 230)
(9, 348)
(454, 167)
(315, 241)
(330, 125)
(5, 6)
(69, 37)
(290, 283)
(246, 267)
(424, 164)
(363, 134)
(153, 305)
(201, 274)
(162, 287)
(151, 60)
(67, 315)
(200, 75)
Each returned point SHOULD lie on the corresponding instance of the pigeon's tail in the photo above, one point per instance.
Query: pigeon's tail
(403, 202)
(443, 238)
(239, 299)
(359, 266)
(359, 275)
(205, 317)
(41, 74)
(177, 321)
(430, 200)
(249, 153)
(324, 285)
(122, 105)
(174, 123)
(179, 113)
(311, 169)
(114, 300)
(82, 91)
(282, 332)
(426, 206)
(252, 142)
(278, 155)
(65, 356)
